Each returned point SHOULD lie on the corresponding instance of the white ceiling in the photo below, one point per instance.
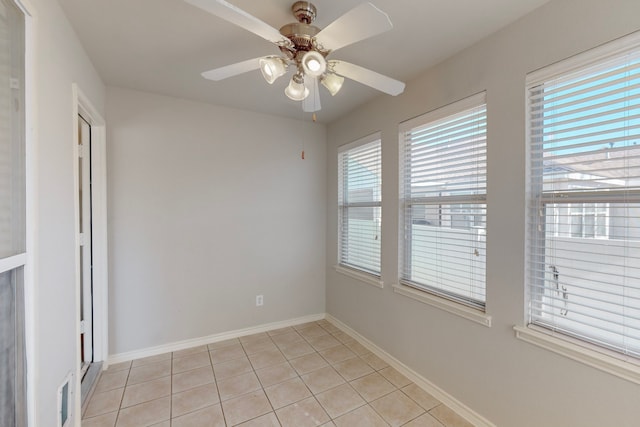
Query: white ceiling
(162, 46)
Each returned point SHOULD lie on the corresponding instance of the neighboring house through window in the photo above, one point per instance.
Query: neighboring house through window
(584, 205)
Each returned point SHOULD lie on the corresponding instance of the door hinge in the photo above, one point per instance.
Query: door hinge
(81, 150)
(83, 326)
(14, 83)
(82, 239)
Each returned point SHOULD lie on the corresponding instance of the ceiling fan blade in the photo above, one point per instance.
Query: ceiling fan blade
(312, 102)
(370, 78)
(235, 15)
(359, 23)
(232, 70)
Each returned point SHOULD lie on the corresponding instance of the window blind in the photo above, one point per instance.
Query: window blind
(443, 188)
(584, 215)
(360, 204)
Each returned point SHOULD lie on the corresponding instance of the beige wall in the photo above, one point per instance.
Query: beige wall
(59, 61)
(209, 207)
(510, 382)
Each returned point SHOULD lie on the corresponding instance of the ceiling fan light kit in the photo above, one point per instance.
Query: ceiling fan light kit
(304, 47)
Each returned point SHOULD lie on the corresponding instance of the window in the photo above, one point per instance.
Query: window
(584, 204)
(12, 215)
(360, 205)
(443, 188)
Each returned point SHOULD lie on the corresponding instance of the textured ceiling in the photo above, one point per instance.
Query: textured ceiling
(162, 46)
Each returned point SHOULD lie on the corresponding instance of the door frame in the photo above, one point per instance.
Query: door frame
(82, 105)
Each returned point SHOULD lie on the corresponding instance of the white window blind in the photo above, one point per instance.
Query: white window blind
(360, 204)
(443, 188)
(584, 209)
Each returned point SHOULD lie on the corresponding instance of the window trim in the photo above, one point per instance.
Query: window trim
(435, 298)
(583, 351)
(354, 271)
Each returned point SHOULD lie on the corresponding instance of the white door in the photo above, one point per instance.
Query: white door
(86, 256)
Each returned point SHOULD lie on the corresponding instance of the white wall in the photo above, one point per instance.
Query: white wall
(59, 61)
(209, 207)
(508, 381)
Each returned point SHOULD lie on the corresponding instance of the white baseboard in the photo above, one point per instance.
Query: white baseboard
(194, 342)
(444, 397)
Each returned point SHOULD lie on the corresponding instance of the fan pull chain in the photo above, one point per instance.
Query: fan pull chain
(302, 155)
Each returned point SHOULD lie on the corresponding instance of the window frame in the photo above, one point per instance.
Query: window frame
(450, 302)
(357, 272)
(558, 341)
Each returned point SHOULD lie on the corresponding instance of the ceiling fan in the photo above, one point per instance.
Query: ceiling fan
(305, 47)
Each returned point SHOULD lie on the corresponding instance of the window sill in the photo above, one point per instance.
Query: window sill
(599, 359)
(369, 279)
(444, 304)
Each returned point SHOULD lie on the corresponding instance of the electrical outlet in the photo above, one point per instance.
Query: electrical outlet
(259, 300)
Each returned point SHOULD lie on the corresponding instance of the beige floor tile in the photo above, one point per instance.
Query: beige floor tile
(420, 396)
(147, 391)
(374, 361)
(189, 351)
(424, 420)
(296, 349)
(337, 354)
(227, 353)
(246, 407)
(364, 416)
(211, 416)
(373, 386)
(448, 417)
(312, 332)
(111, 380)
(256, 346)
(151, 359)
(308, 363)
(351, 369)
(105, 420)
(104, 402)
(304, 325)
(145, 414)
(149, 372)
(193, 361)
(119, 366)
(322, 379)
(268, 420)
(342, 337)
(232, 368)
(330, 328)
(254, 337)
(286, 393)
(329, 424)
(395, 377)
(287, 338)
(323, 342)
(396, 408)
(163, 424)
(276, 374)
(191, 379)
(357, 348)
(235, 386)
(266, 358)
(194, 399)
(340, 400)
(224, 343)
(280, 331)
(306, 413)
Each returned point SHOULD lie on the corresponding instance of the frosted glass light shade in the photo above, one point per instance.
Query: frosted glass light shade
(332, 82)
(314, 64)
(272, 67)
(296, 90)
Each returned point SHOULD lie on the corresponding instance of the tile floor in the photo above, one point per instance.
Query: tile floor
(307, 375)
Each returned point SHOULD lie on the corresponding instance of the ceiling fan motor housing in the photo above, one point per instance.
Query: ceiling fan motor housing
(304, 11)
